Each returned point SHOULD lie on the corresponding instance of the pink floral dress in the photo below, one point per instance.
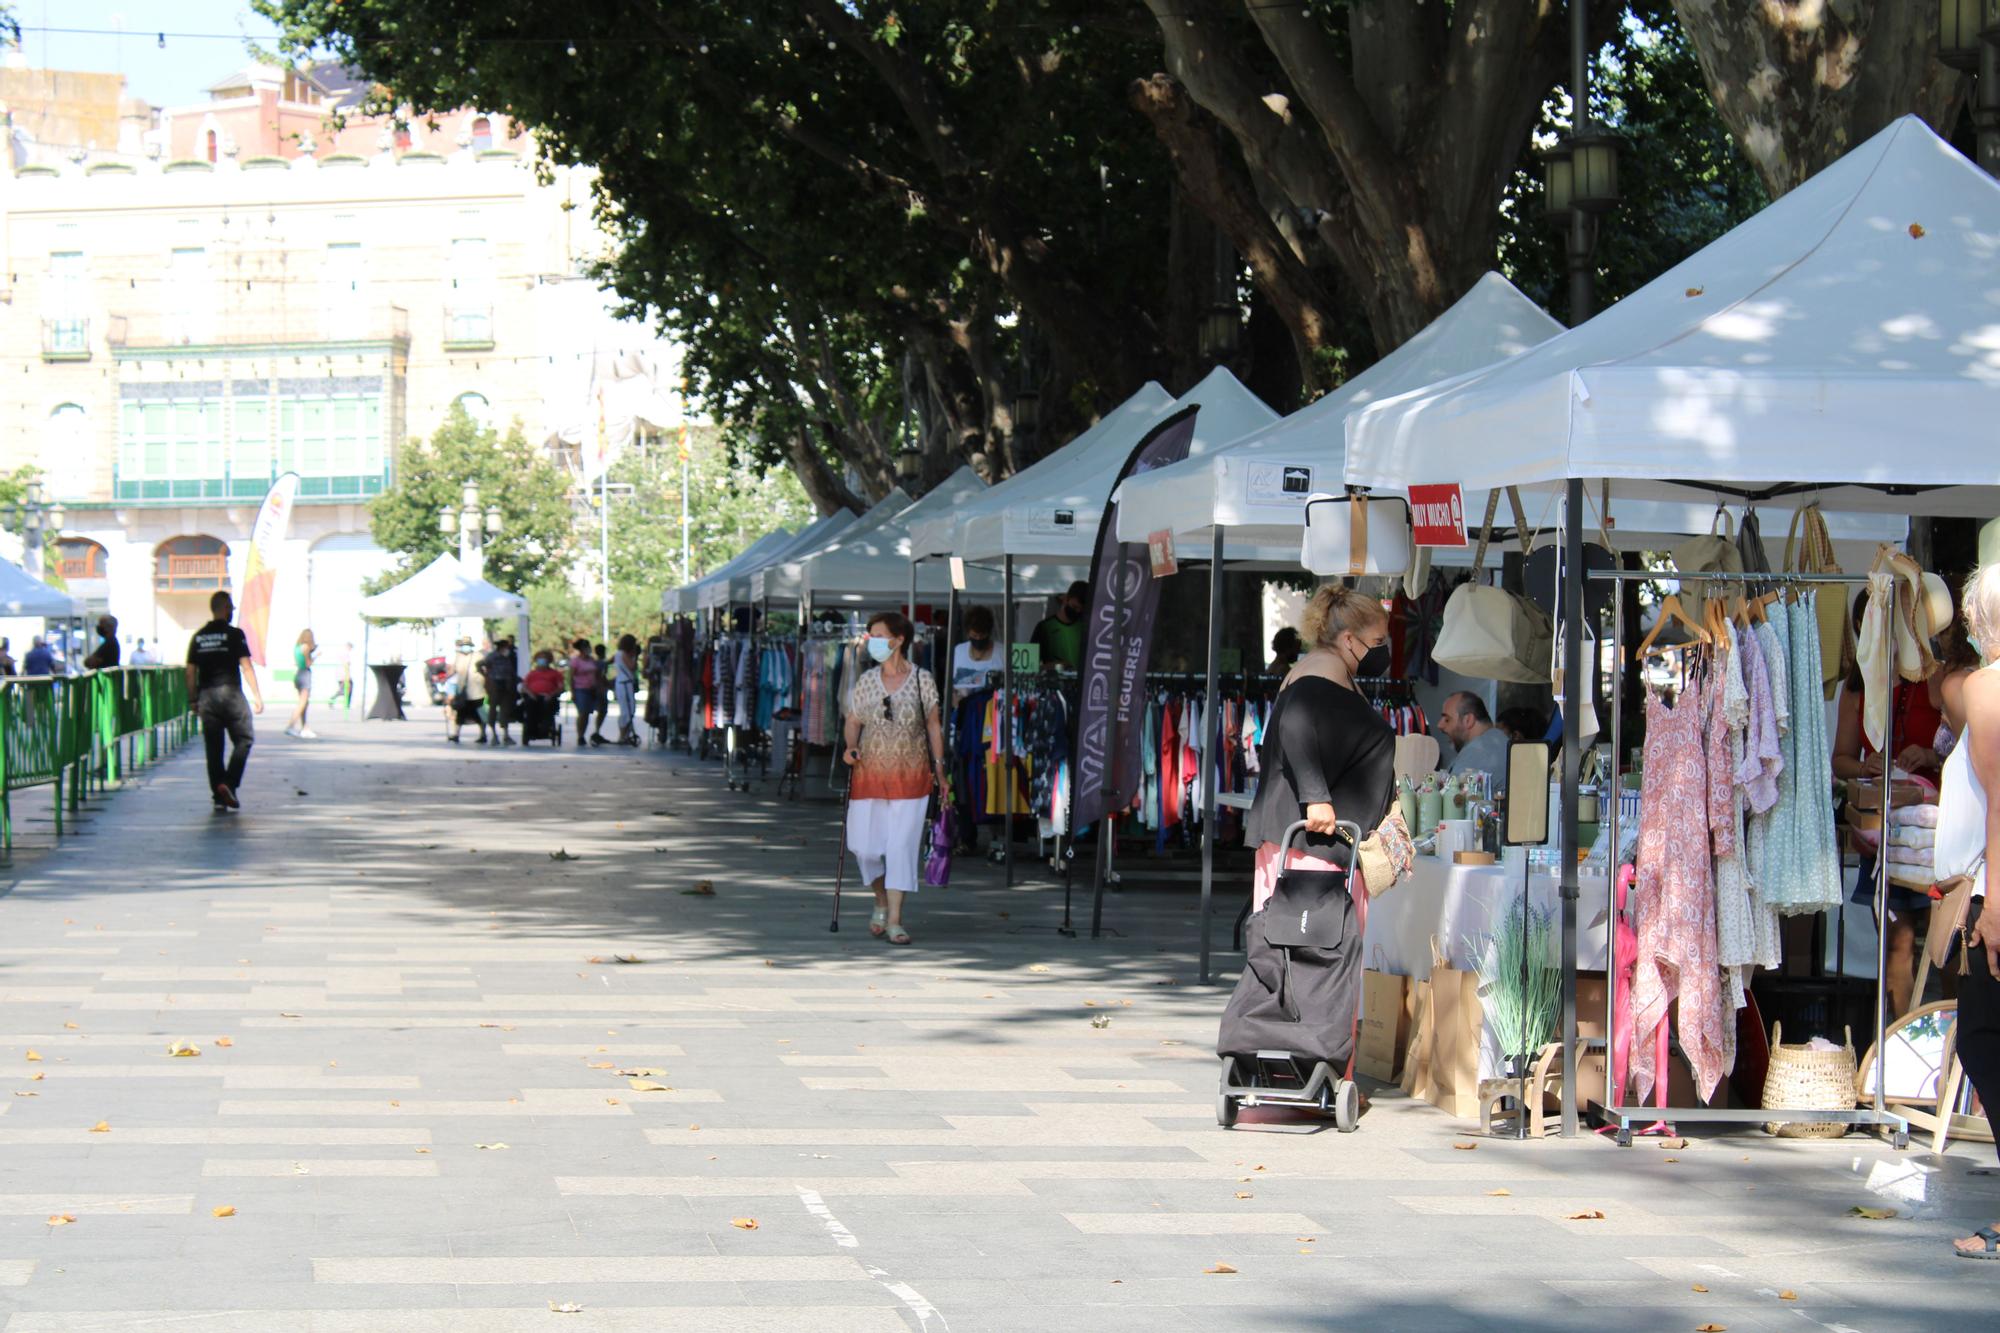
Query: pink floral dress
(1686, 818)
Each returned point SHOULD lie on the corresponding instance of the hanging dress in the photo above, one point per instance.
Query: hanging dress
(1805, 874)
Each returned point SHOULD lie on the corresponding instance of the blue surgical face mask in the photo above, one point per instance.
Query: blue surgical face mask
(881, 649)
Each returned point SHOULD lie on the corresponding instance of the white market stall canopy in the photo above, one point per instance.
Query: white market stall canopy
(686, 599)
(22, 594)
(442, 590)
(739, 586)
(1256, 486)
(780, 578)
(1058, 518)
(1843, 344)
(1115, 431)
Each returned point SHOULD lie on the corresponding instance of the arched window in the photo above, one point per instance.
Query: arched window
(81, 558)
(478, 409)
(482, 133)
(214, 144)
(191, 564)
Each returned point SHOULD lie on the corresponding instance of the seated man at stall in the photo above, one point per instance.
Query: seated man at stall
(1482, 747)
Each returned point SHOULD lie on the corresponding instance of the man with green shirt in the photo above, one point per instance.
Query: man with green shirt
(1060, 636)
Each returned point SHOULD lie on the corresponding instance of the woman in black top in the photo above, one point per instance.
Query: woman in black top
(1327, 754)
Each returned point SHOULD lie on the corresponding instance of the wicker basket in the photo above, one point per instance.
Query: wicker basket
(1802, 1079)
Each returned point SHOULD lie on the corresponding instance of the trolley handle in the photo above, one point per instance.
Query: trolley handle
(1348, 826)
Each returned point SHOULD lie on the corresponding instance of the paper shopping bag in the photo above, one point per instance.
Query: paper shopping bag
(1458, 1021)
(1384, 1025)
(1415, 1078)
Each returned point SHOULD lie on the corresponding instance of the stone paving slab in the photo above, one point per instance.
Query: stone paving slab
(424, 1113)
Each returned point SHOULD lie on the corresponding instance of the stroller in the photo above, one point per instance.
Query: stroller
(541, 718)
(1287, 1035)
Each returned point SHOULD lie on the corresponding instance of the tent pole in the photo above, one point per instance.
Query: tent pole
(1207, 752)
(910, 610)
(1007, 718)
(1572, 768)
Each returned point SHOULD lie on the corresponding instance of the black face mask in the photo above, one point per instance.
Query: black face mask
(1374, 663)
(977, 642)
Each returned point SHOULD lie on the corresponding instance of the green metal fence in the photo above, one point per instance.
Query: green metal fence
(78, 734)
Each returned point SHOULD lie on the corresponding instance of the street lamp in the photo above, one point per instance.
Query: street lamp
(1969, 40)
(1580, 183)
(909, 463)
(473, 527)
(35, 521)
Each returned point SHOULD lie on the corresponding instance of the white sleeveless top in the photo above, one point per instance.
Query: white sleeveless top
(1961, 834)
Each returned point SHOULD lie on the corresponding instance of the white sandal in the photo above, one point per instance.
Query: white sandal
(878, 921)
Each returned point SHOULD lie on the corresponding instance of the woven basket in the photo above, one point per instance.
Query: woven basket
(1802, 1079)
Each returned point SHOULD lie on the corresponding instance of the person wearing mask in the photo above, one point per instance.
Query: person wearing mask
(1327, 754)
(583, 686)
(1286, 648)
(467, 690)
(218, 667)
(303, 653)
(1060, 636)
(141, 655)
(1482, 747)
(895, 745)
(541, 700)
(40, 661)
(7, 666)
(105, 655)
(975, 663)
(625, 685)
(503, 687)
(1968, 843)
(603, 696)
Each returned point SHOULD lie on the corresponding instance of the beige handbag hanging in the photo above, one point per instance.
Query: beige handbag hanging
(1813, 554)
(1489, 633)
(1714, 553)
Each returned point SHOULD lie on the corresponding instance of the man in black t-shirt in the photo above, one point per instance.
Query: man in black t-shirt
(218, 665)
(105, 655)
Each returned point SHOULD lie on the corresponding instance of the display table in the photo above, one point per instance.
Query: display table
(1458, 904)
(388, 705)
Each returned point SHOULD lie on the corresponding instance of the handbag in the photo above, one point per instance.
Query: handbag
(1814, 555)
(943, 836)
(1489, 633)
(1715, 553)
(1948, 920)
(1385, 857)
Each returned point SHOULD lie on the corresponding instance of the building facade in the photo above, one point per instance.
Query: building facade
(183, 329)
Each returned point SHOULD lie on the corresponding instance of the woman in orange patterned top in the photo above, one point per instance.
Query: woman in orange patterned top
(895, 745)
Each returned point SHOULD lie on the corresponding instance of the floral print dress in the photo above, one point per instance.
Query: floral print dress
(1686, 818)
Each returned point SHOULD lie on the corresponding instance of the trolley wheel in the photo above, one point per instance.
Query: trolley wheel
(1347, 1108)
(1623, 1137)
(1225, 1105)
(1900, 1140)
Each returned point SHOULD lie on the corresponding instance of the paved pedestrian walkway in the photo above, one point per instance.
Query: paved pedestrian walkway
(473, 1048)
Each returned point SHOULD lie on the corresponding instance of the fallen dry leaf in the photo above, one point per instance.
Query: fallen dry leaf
(1219, 1268)
(1703, 1290)
(1872, 1214)
(566, 1307)
(36, 1077)
(1245, 1194)
(611, 1101)
(1673, 1145)
(70, 1026)
(693, 1128)
(644, 1071)
(602, 1064)
(626, 958)
(491, 1147)
(27, 1094)
(1788, 1295)
(743, 1223)
(61, 1219)
(1501, 1193)
(101, 1127)
(703, 889)
(224, 1041)
(1696, 291)
(1038, 967)
(592, 959)
(647, 1085)
(34, 1055)
(284, 1015)
(1587, 1215)
(425, 1151)
(1670, 1159)
(223, 1210)
(183, 1049)
(1916, 231)
(1463, 1146)
(1711, 1328)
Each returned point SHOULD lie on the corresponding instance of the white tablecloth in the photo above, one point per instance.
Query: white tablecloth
(1458, 904)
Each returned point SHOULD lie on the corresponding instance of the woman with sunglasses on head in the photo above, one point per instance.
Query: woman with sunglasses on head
(895, 746)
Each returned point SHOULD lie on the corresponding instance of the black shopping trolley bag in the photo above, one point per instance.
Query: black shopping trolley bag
(1300, 990)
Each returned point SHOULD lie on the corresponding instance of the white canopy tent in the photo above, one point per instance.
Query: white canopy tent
(952, 533)
(1844, 343)
(1058, 518)
(734, 588)
(445, 590)
(22, 594)
(1840, 344)
(778, 577)
(686, 599)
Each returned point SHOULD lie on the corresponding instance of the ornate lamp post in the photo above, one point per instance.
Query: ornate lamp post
(473, 527)
(35, 521)
(1969, 40)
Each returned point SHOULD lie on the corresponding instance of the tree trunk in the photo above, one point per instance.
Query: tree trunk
(1800, 82)
(822, 484)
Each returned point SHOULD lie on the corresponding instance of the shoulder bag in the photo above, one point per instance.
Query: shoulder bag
(1492, 634)
(1948, 918)
(1714, 553)
(1809, 550)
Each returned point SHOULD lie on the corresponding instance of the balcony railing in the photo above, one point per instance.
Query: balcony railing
(191, 573)
(263, 327)
(74, 567)
(65, 340)
(468, 328)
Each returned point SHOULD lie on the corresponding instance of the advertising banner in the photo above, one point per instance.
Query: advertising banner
(1118, 642)
(260, 568)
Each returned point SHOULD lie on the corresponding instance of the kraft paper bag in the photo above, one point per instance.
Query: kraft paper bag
(1384, 1025)
(1458, 1024)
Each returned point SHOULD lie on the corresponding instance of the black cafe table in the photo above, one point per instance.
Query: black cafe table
(388, 704)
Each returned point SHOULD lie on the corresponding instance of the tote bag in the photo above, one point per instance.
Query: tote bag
(1809, 550)
(1489, 633)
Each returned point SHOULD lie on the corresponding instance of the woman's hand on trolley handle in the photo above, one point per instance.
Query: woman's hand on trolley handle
(1320, 819)
(853, 755)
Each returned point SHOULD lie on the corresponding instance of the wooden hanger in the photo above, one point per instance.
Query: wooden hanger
(1671, 610)
(1716, 615)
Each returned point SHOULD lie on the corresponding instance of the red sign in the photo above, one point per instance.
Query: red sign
(1437, 515)
(1160, 550)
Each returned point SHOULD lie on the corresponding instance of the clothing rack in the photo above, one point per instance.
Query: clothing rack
(1623, 1116)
